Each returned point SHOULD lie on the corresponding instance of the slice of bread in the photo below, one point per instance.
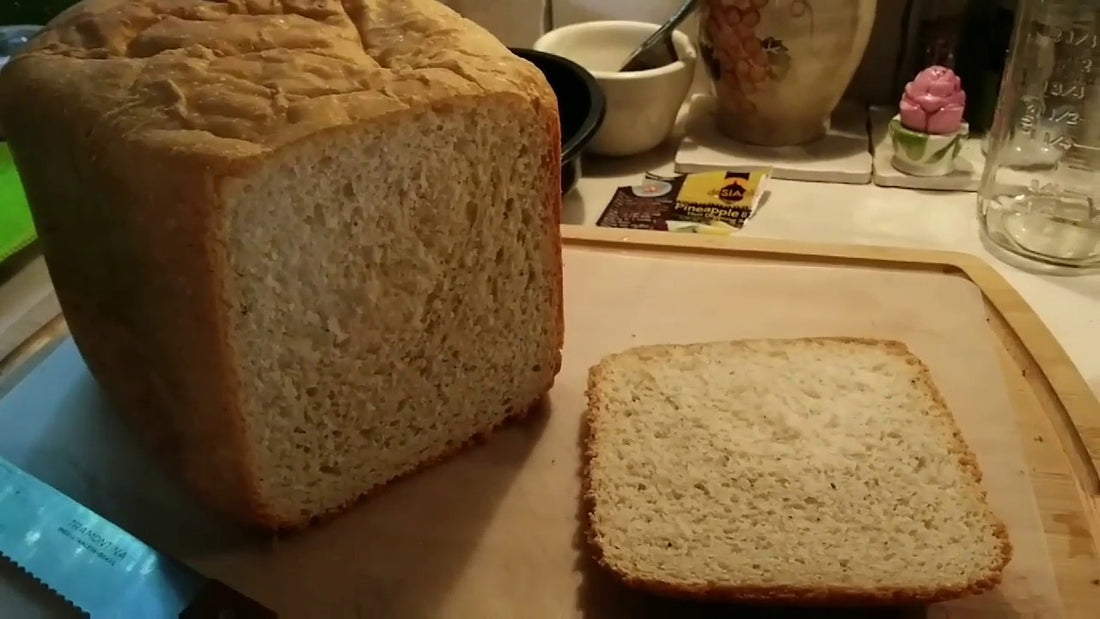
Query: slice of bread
(802, 471)
(305, 247)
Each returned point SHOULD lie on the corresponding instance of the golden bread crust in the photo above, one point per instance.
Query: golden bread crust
(229, 81)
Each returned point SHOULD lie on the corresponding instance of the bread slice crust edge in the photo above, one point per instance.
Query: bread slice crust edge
(780, 594)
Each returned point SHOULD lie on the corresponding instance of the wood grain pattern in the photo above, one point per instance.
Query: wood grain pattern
(1060, 416)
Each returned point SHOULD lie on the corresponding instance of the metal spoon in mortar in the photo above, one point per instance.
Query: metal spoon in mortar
(658, 50)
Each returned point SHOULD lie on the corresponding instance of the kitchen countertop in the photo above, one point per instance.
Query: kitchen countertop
(873, 215)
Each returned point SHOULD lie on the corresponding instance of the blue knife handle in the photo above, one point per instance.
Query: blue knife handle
(216, 600)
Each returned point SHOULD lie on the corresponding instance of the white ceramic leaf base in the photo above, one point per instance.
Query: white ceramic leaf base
(842, 156)
(966, 176)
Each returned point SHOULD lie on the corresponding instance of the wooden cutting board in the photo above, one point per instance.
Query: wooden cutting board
(496, 533)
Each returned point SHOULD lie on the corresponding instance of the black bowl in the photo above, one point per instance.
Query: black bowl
(581, 107)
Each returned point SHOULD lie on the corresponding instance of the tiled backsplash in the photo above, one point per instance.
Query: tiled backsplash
(523, 20)
(517, 23)
(876, 76)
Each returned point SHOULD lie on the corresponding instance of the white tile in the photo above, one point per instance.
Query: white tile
(567, 12)
(519, 25)
(842, 156)
(968, 167)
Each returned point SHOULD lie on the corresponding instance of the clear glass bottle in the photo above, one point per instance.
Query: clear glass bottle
(1040, 192)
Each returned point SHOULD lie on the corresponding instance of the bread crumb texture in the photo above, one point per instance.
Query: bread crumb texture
(818, 470)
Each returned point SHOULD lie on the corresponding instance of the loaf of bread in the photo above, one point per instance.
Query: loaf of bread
(305, 246)
(805, 471)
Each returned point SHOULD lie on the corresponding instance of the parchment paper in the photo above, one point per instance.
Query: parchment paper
(495, 532)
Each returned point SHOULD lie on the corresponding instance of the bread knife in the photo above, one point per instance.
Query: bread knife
(98, 567)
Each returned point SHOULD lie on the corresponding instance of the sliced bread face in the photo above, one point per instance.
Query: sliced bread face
(416, 299)
(808, 471)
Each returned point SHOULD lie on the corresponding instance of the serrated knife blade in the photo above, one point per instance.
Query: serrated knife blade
(97, 566)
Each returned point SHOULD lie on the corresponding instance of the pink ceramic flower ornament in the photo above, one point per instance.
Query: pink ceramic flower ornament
(933, 102)
(928, 132)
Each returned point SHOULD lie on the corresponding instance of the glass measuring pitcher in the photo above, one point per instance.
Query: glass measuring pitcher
(1040, 192)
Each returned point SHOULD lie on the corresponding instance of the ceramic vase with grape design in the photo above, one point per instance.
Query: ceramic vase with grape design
(780, 67)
